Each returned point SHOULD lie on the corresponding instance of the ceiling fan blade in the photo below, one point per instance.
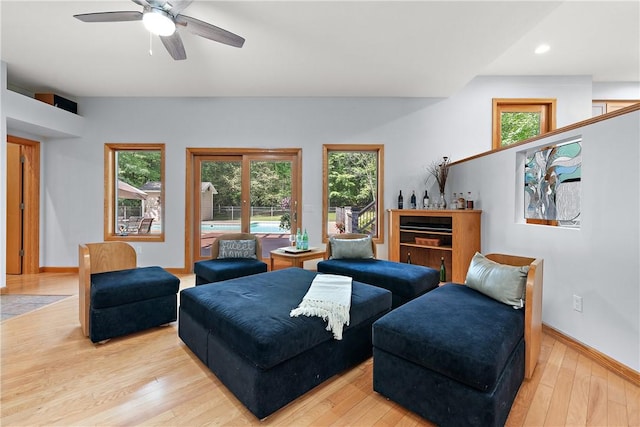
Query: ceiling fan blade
(174, 46)
(142, 3)
(109, 16)
(209, 31)
(178, 6)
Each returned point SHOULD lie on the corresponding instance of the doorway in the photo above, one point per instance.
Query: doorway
(247, 190)
(23, 206)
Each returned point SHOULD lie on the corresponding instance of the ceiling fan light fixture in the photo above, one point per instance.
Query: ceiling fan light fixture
(158, 22)
(542, 48)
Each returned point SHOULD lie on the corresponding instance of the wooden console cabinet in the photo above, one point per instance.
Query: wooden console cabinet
(452, 234)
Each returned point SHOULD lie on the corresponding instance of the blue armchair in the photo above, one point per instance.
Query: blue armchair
(232, 255)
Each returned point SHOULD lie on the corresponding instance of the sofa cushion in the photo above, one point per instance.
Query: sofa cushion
(351, 248)
(114, 288)
(237, 249)
(504, 283)
(406, 280)
(251, 314)
(216, 270)
(455, 331)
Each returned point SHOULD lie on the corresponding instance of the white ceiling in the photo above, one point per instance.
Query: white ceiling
(319, 48)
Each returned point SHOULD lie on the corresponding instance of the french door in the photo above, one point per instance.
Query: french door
(250, 191)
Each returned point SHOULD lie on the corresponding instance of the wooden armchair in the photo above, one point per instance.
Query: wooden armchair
(118, 298)
(99, 258)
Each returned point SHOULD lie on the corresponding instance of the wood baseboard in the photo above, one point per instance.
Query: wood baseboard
(58, 269)
(177, 270)
(75, 270)
(625, 372)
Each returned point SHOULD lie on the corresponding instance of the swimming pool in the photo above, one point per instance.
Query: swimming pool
(255, 227)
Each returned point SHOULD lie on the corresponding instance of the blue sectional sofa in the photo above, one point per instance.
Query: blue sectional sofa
(456, 356)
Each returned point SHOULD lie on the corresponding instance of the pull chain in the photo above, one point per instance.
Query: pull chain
(150, 44)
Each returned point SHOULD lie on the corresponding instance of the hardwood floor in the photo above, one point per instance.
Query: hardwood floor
(52, 375)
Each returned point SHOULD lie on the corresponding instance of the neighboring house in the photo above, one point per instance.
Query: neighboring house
(207, 191)
(152, 205)
(152, 208)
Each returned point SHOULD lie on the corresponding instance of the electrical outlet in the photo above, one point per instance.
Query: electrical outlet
(577, 303)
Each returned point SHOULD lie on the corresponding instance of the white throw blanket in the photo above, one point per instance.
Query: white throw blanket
(329, 297)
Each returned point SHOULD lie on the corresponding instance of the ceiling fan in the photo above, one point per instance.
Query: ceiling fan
(162, 17)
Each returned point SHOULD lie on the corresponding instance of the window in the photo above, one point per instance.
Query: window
(134, 192)
(352, 200)
(515, 120)
(247, 190)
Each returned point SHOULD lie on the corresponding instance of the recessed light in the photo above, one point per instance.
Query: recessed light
(543, 48)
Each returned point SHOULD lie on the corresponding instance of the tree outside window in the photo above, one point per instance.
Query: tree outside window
(134, 201)
(515, 120)
(352, 194)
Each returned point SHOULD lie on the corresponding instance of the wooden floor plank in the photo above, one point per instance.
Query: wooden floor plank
(615, 388)
(598, 402)
(633, 404)
(579, 401)
(616, 414)
(559, 405)
(50, 374)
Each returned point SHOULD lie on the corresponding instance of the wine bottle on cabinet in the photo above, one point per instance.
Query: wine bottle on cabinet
(400, 201)
(425, 200)
(408, 257)
(413, 200)
(443, 271)
(469, 201)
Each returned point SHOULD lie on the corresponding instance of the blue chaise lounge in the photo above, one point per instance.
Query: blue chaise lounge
(457, 356)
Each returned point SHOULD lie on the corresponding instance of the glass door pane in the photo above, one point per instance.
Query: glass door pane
(218, 200)
(271, 215)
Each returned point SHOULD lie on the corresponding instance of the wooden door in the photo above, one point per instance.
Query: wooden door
(14, 208)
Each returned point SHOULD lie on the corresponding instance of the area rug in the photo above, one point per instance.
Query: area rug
(14, 304)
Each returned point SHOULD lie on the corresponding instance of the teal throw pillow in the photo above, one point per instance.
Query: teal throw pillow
(351, 248)
(504, 283)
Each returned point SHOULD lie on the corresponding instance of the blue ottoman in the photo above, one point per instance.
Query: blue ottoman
(453, 356)
(127, 301)
(405, 281)
(217, 270)
(241, 329)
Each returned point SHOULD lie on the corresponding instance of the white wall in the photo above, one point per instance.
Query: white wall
(600, 261)
(74, 209)
(415, 131)
(616, 90)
